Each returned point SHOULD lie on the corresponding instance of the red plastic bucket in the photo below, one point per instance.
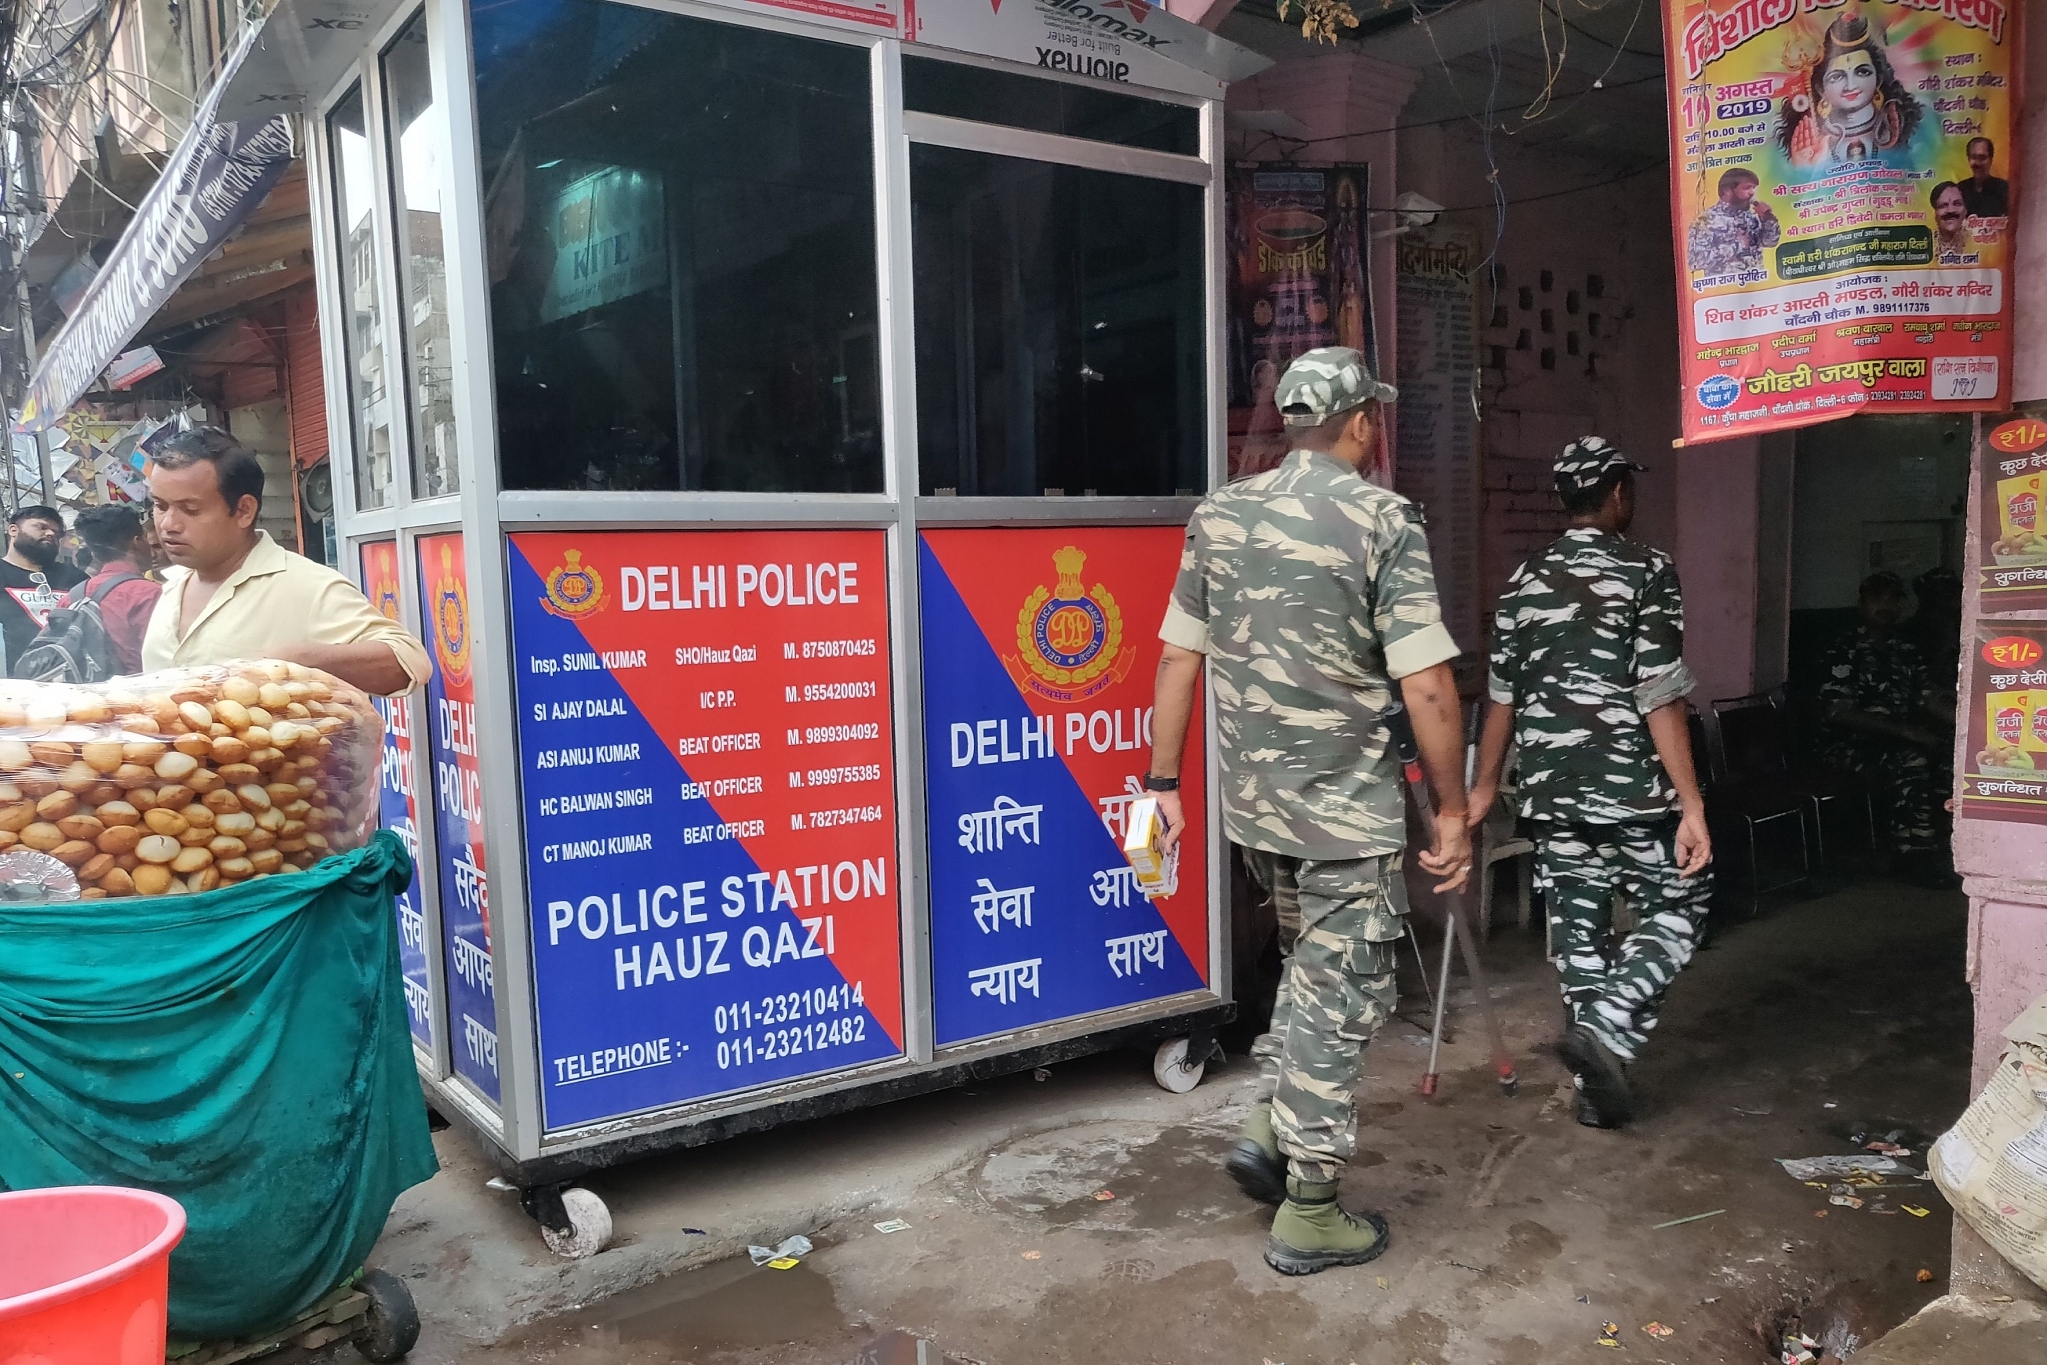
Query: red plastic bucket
(85, 1275)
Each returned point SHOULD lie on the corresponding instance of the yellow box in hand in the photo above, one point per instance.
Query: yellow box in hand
(1157, 869)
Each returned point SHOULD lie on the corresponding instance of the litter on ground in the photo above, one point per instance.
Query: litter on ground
(1840, 1167)
(1677, 1222)
(792, 1249)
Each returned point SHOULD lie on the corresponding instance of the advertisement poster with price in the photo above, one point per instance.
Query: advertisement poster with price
(1040, 649)
(1842, 191)
(2004, 775)
(2011, 569)
(458, 810)
(706, 752)
(397, 803)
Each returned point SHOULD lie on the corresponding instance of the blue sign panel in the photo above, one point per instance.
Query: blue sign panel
(397, 805)
(1031, 759)
(706, 749)
(458, 813)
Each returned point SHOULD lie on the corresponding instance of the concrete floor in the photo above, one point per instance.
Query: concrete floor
(1516, 1232)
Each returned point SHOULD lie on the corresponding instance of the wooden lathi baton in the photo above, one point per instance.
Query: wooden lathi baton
(1459, 904)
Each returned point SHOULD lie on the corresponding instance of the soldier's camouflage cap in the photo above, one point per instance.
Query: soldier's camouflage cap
(1586, 460)
(1327, 381)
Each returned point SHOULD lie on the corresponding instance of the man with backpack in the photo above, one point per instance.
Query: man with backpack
(118, 536)
(97, 632)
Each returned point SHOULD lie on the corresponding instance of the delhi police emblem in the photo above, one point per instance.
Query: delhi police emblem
(574, 589)
(386, 600)
(1069, 637)
(451, 622)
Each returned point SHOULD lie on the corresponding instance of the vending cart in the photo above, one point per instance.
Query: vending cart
(779, 420)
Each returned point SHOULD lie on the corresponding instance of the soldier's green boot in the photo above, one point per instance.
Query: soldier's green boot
(1255, 1163)
(1313, 1232)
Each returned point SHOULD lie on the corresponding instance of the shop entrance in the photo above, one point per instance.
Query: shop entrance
(1878, 525)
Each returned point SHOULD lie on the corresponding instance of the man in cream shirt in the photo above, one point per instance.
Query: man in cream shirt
(236, 594)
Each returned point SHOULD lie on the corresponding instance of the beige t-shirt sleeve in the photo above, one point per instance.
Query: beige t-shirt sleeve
(340, 615)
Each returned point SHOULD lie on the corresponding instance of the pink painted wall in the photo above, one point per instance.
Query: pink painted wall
(1717, 490)
(2029, 338)
(2004, 866)
(1207, 13)
(1700, 504)
(1347, 101)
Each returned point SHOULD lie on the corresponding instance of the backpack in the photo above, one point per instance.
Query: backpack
(74, 647)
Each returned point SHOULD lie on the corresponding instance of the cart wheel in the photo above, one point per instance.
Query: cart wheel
(391, 1327)
(1171, 1069)
(589, 1226)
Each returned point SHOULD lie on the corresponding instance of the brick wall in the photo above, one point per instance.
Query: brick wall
(1576, 328)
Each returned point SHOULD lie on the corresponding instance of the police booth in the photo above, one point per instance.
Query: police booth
(779, 420)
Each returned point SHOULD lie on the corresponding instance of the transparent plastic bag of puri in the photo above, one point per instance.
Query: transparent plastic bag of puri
(178, 1014)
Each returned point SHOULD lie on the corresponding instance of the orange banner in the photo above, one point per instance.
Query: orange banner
(1842, 197)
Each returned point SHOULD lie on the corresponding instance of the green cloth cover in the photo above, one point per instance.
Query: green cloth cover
(244, 1051)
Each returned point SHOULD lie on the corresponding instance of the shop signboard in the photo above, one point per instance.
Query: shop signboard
(1129, 42)
(2004, 775)
(1437, 419)
(1136, 42)
(706, 756)
(2011, 569)
(218, 174)
(1040, 650)
(1842, 193)
(397, 803)
(1298, 280)
(609, 234)
(458, 810)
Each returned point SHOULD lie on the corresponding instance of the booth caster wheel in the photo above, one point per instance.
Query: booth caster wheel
(391, 1324)
(1171, 1067)
(573, 1222)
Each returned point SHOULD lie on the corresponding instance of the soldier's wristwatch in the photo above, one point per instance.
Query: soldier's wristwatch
(1153, 783)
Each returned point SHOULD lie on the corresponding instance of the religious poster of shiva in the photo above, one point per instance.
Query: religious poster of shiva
(1852, 106)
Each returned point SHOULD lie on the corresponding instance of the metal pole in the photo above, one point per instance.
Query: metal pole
(28, 352)
(1402, 731)
(1430, 1077)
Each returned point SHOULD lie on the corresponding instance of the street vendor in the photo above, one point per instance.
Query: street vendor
(234, 593)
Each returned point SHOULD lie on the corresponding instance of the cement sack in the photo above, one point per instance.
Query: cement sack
(1992, 1165)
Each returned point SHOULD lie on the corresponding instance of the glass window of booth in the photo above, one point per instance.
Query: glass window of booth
(1060, 328)
(369, 407)
(959, 90)
(679, 217)
(416, 176)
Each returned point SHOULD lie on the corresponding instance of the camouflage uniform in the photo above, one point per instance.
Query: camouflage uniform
(1728, 238)
(1587, 641)
(1884, 676)
(1310, 592)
